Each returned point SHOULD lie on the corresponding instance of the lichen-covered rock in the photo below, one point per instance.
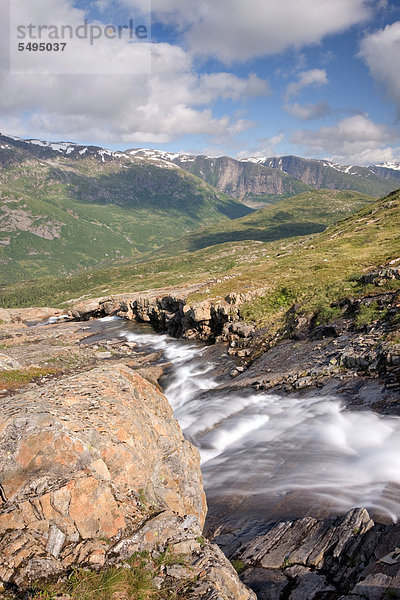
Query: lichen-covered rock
(86, 462)
(379, 276)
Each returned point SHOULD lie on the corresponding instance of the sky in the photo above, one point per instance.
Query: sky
(314, 78)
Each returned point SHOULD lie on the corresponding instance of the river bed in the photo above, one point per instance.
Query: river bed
(273, 455)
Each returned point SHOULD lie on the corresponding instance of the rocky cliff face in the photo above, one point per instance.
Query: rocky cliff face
(93, 469)
(252, 179)
(242, 180)
(311, 172)
(386, 172)
(320, 174)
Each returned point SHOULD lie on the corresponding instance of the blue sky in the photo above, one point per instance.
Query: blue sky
(314, 78)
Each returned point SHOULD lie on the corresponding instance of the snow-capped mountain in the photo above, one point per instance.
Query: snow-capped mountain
(393, 165)
(252, 180)
(44, 149)
(387, 170)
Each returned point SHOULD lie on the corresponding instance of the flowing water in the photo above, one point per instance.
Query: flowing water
(268, 450)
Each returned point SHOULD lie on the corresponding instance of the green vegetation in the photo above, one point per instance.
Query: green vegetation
(16, 378)
(131, 582)
(238, 565)
(312, 271)
(326, 314)
(369, 314)
(124, 277)
(169, 558)
(291, 218)
(305, 214)
(60, 216)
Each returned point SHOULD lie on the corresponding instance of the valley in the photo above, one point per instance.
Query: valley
(143, 289)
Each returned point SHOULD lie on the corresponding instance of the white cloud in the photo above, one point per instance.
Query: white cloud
(356, 140)
(307, 112)
(265, 147)
(381, 52)
(228, 86)
(173, 101)
(234, 30)
(315, 77)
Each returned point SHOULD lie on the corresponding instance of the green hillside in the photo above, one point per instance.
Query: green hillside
(307, 213)
(313, 270)
(59, 215)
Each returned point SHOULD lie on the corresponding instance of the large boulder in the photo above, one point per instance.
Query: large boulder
(87, 464)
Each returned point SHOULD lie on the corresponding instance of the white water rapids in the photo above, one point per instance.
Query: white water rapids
(273, 446)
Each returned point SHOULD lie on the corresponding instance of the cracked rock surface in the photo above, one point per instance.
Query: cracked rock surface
(337, 558)
(93, 468)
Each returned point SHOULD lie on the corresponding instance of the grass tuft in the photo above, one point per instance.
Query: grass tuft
(369, 314)
(17, 378)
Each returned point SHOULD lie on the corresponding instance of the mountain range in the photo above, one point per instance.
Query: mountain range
(259, 181)
(66, 207)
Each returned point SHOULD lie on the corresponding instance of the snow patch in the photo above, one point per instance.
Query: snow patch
(394, 166)
(255, 159)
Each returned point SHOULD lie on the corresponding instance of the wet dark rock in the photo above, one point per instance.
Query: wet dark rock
(336, 558)
(333, 330)
(266, 583)
(311, 585)
(307, 541)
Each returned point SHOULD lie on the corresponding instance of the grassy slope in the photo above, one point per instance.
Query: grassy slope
(320, 270)
(307, 213)
(100, 213)
(313, 269)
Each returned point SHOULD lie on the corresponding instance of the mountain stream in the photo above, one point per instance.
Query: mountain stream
(282, 456)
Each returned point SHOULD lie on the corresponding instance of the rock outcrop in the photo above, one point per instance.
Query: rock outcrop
(169, 313)
(337, 558)
(385, 273)
(94, 468)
